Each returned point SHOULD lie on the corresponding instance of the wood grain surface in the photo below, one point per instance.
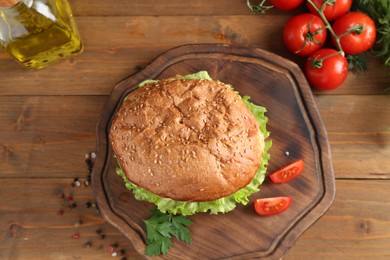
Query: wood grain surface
(48, 120)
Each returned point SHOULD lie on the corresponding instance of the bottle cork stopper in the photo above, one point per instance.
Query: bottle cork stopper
(8, 3)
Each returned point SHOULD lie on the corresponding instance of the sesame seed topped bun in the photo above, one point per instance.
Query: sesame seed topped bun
(187, 139)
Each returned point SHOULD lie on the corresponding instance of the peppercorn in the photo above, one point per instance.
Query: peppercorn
(72, 206)
(88, 244)
(110, 249)
(78, 223)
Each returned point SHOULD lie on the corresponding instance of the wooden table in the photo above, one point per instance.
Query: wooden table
(48, 119)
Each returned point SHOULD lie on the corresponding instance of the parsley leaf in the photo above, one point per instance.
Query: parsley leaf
(379, 11)
(357, 63)
(161, 227)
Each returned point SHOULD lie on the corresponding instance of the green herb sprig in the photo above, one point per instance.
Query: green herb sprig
(379, 11)
(161, 228)
(357, 63)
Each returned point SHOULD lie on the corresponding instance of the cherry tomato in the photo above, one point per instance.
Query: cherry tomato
(331, 74)
(272, 206)
(286, 4)
(288, 172)
(333, 11)
(304, 34)
(359, 40)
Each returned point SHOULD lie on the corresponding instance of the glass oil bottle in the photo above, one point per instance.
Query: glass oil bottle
(38, 32)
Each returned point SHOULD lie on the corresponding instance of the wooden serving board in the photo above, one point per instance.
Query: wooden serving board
(297, 132)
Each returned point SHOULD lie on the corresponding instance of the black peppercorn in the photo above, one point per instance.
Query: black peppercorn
(88, 244)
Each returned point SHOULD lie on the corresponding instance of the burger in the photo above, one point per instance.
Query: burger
(190, 144)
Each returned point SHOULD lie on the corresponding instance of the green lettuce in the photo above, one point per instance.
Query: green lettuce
(222, 205)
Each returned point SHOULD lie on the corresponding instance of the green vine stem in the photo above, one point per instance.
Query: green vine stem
(260, 8)
(320, 12)
(309, 37)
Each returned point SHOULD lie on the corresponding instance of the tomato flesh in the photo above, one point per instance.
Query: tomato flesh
(288, 172)
(272, 206)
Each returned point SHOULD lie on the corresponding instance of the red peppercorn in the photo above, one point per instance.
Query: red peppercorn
(110, 249)
(76, 236)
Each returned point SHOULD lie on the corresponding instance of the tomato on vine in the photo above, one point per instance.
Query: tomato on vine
(357, 32)
(333, 8)
(304, 34)
(326, 69)
(286, 4)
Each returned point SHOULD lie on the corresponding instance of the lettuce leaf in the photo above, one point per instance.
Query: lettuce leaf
(222, 205)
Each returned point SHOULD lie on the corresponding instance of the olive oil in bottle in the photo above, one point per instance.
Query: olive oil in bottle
(38, 32)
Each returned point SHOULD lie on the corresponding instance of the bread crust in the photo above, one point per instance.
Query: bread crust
(189, 140)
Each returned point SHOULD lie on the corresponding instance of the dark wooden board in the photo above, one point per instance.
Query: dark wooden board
(296, 132)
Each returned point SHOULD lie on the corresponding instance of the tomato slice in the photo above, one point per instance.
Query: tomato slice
(272, 206)
(288, 172)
